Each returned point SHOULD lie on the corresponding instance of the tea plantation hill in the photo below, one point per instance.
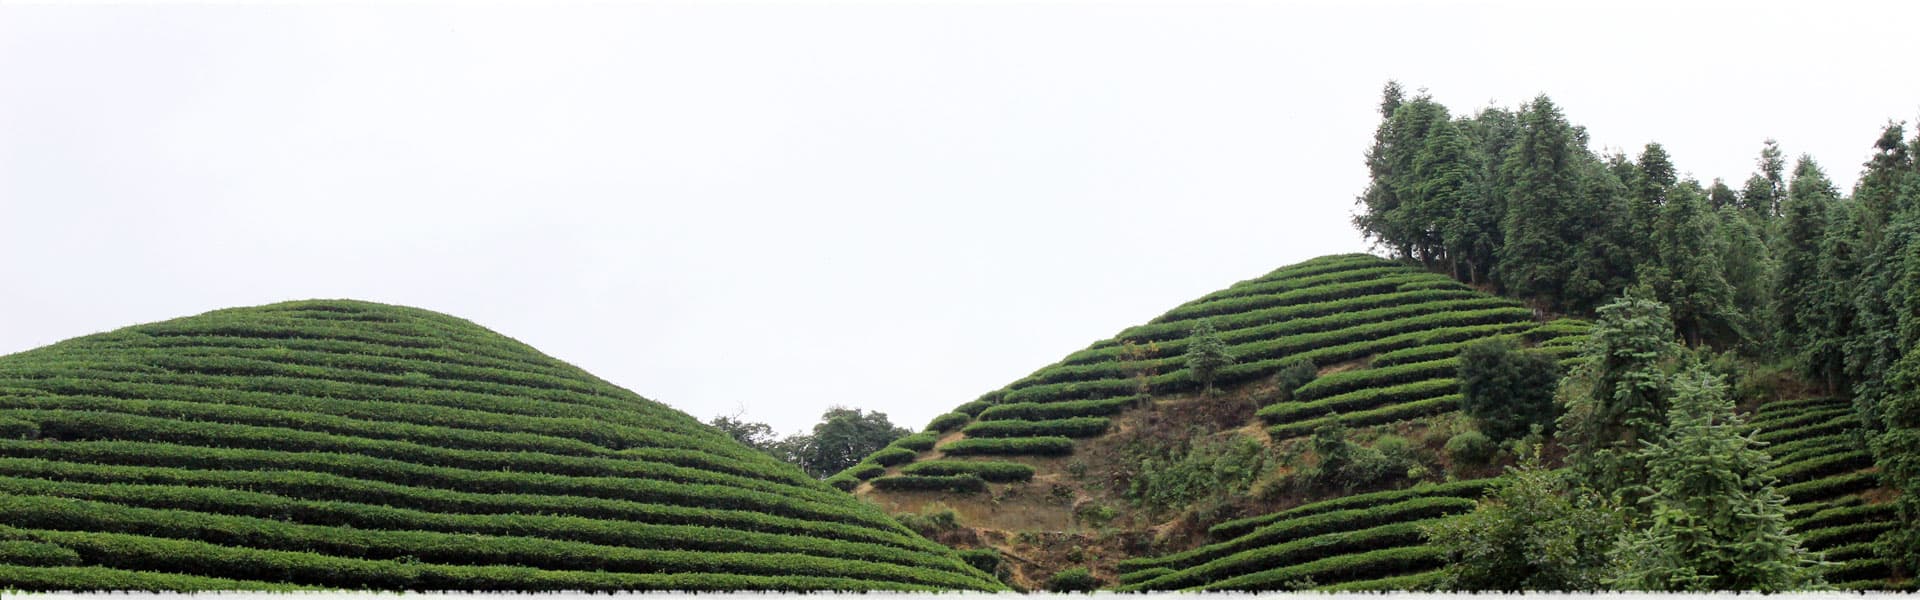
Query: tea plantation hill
(1023, 468)
(350, 445)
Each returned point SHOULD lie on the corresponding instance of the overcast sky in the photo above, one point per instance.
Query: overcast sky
(780, 208)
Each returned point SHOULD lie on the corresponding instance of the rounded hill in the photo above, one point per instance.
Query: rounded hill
(351, 445)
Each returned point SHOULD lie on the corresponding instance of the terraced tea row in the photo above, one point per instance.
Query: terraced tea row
(343, 444)
(1827, 475)
(1341, 542)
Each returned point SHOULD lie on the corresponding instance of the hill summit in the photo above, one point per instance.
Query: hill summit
(352, 445)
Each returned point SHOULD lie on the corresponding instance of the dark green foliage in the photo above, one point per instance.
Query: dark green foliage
(36, 554)
(987, 560)
(992, 471)
(1076, 579)
(1292, 376)
(949, 422)
(1617, 399)
(1206, 354)
(1716, 522)
(1897, 450)
(1536, 261)
(18, 429)
(1033, 446)
(963, 484)
(1507, 390)
(1071, 427)
(1527, 535)
(1688, 274)
(864, 471)
(1345, 567)
(1346, 466)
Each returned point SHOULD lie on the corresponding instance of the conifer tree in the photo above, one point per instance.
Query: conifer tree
(1749, 266)
(1534, 260)
(1897, 450)
(1616, 399)
(1715, 521)
(1832, 310)
(1798, 285)
(1507, 390)
(1206, 354)
(1690, 277)
(1652, 177)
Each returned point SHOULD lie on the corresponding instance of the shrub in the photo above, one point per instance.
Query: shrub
(1471, 448)
(996, 472)
(1077, 579)
(864, 471)
(919, 442)
(16, 429)
(842, 482)
(36, 554)
(1183, 475)
(1034, 446)
(892, 456)
(933, 519)
(1293, 376)
(963, 484)
(987, 560)
(1040, 411)
(950, 421)
(1507, 390)
(1071, 427)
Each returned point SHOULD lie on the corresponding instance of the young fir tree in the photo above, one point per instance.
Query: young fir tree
(1616, 399)
(1832, 308)
(1529, 533)
(1715, 521)
(1652, 178)
(1206, 354)
(1766, 190)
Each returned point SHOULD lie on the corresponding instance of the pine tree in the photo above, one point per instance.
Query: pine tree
(1616, 398)
(1206, 354)
(1832, 311)
(1715, 520)
(1720, 196)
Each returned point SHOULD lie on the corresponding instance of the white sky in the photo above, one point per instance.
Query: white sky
(780, 208)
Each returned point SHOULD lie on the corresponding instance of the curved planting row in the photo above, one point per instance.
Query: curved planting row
(1826, 474)
(339, 444)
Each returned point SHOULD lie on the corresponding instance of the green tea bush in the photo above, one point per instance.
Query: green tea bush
(1829, 487)
(919, 442)
(1347, 567)
(1069, 427)
(992, 471)
(1470, 489)
(1358, 400)
(1035, 411)
(36, 554)
(1377, 377)
(1471, 447)
(949, 422)
(1034, 446)
(18, 429)
(1293, 551)
(1302, 527)
(892, 456)
(1077, 579)
(1292, 377)
(965, 484)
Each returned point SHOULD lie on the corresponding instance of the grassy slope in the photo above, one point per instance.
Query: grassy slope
(341, 444)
